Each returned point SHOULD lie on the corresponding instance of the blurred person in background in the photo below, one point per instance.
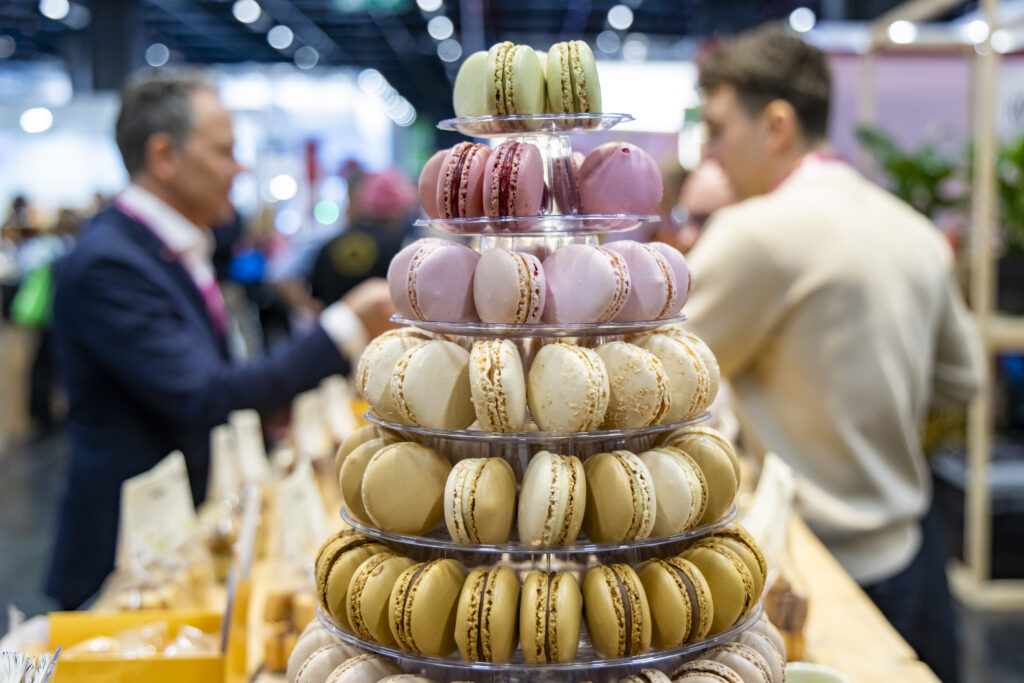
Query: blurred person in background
(139, 324)
(832, 308)
(705, 190)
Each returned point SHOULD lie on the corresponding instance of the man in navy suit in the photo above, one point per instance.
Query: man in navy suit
(139, 324)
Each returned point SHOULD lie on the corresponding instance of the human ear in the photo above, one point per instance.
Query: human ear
(161, 156)
(781, 126)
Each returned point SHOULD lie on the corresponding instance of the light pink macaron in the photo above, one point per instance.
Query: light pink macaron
(509, 287)
(514, 180)
(586, 284)
(618, 177)
(428, 183)
(657, 291)
(432, 279)
(460, 181)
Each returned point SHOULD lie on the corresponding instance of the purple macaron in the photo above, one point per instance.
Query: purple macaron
(509, 287)
(660, 278)
(432, 279)
(586, 284)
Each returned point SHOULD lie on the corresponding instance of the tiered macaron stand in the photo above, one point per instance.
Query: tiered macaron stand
(559, 225)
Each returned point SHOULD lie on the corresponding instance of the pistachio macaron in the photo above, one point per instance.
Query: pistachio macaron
(639, 388)
(366, 667)
(621, 499)
(403, 488)
(497, 385)
(731, 584)
(550, 613)
(567, 388)
(336, 561)
(617, 612)
(705, 671)
(486, 621)
(680, 487)
(680, 601)
(423, 605)
(552, 499)
(480, 501)
(369, 594)
(430, 386)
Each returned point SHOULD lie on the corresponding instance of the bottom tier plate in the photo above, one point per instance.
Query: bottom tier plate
(587, 666)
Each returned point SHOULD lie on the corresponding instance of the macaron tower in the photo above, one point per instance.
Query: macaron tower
(535, 498)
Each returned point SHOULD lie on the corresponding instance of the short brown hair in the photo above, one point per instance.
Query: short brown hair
(155, 103)
(768, 64)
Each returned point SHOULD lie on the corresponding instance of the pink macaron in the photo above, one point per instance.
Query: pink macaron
(514, 180)
(618, 177)
(586, 284)
(432, 279)
(509, 287)
(460, 181)
(428, 183)
(660, 285)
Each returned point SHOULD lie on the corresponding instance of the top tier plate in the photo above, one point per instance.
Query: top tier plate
(531, 124)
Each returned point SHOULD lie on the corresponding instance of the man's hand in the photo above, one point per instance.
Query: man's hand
(371, 302)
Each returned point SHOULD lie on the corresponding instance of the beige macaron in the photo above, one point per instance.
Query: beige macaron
(486, 621)
(567, 389)
(718, 468)
(550, 614)
(639, 388)
(760, 642)
(403, 488)
(744, 660)
(358, 438)
(369, 593)
(768, 630)
(683, 433)
(616, 610)
(364, 668)
(737, 538)
(705, 671)
(336, 561)
(703, 350)
(480, 501)
(350, 476)
(430, 386)
(423, 606)
(377, 362)
(680, 487)
(688, 377)
(497, 385)
(321, 662)
(732, 586)
(646, 676)
(311, 640)
(552, 499)
(682, 607)
(621, 498)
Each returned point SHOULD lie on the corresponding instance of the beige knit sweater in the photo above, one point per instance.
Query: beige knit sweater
(832, 308)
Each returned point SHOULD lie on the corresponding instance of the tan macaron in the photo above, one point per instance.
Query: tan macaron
(377, 362)
(350, 476)
(732, 586)
(480, 501)
(403, 488)
(550, 613)
(369, 593)
(621, 499)
(639, 389)
(423, 605)
(486, 621)
(358, 438)
(336, 561)
(616, 609)
(705, 671)
(736, 537)
(680, 600)
(718, 469)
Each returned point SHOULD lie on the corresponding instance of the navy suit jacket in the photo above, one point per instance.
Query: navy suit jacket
(146, 374)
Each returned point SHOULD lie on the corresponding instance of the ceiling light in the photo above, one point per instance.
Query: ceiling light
(620, 17)
(283, 187)
(54, 9)
(440, 27)
(634, 48)
(902, 32)
(977, 31)
(802, 19)
(246, 11)
(7, 46)
(157, 54)
(306, 57)
(429, 5)
(280, 37)
(36, 120)
(449, 50)
(608, 42)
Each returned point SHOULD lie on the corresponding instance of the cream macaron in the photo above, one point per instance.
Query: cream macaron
(552, 499)
(705, 671)
(364, 668)
(702, 350)
(621, 498)
(497, 385)
(369, 593)
(646, 676)
(312, 639)
(430, 386)
(486, 618)
(639, 388)
(744, 660)
(321, 662)
(377, 362)
(567, 389)
(403, 488)
(689, 378)
(550, 614)
(616, 610)
(680, 487)
(480, 501)
(760, 642)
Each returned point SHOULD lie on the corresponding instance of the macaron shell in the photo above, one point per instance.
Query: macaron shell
(480, 501)
(353, 469)
(364, 668)
(320, 663)
(572, 82)
(639, 389)
(617, 178)
(340, 575)
(398, 276)
(369, 593)
(706, 671)
(744, 660)
(468, 93)
(684, 278)
(403, 488)
(428, 182)
(730, 582)
(688, 376)
(697, 431)
(680, 487)
(509, 287)
(440, 282)
(585, 284)
(680, 599)
(703, 351)
(513, 180)
(423, 606)
(768, 630)
(497, 385)
(620, 498)
(760, 642)
(550, 614)
(430, 386)
(460, 181)
(718, 470)
(307, 644)
(552, 499)
(329, 552)
(486, 621)
(654, 287)
(358, 438)
(616, 610)
(567, 388)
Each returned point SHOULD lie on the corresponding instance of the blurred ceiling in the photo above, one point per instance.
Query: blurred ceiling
(102, 40)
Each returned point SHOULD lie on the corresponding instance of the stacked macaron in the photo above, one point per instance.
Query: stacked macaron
(515, 79)
(624, 281)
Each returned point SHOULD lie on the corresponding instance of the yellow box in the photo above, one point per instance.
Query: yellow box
(71, 628)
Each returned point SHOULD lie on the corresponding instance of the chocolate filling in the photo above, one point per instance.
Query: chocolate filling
(480, 619)
(550, 630)
(627, 607)
(691, 593)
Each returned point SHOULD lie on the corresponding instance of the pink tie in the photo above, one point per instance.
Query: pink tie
(215, 306)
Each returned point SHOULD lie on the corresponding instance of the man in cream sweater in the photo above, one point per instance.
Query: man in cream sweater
(832, 308)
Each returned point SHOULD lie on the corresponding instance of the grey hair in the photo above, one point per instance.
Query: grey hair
(155, 103)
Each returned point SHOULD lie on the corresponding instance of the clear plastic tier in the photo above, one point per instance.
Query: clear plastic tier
(531, 124)
(575, 557)
(587, 666)
(533, 225)
(538, 330)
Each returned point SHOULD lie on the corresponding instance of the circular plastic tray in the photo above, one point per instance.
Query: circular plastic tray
(516, 125)
(587, 666)
(577, 224)
(540, 330)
